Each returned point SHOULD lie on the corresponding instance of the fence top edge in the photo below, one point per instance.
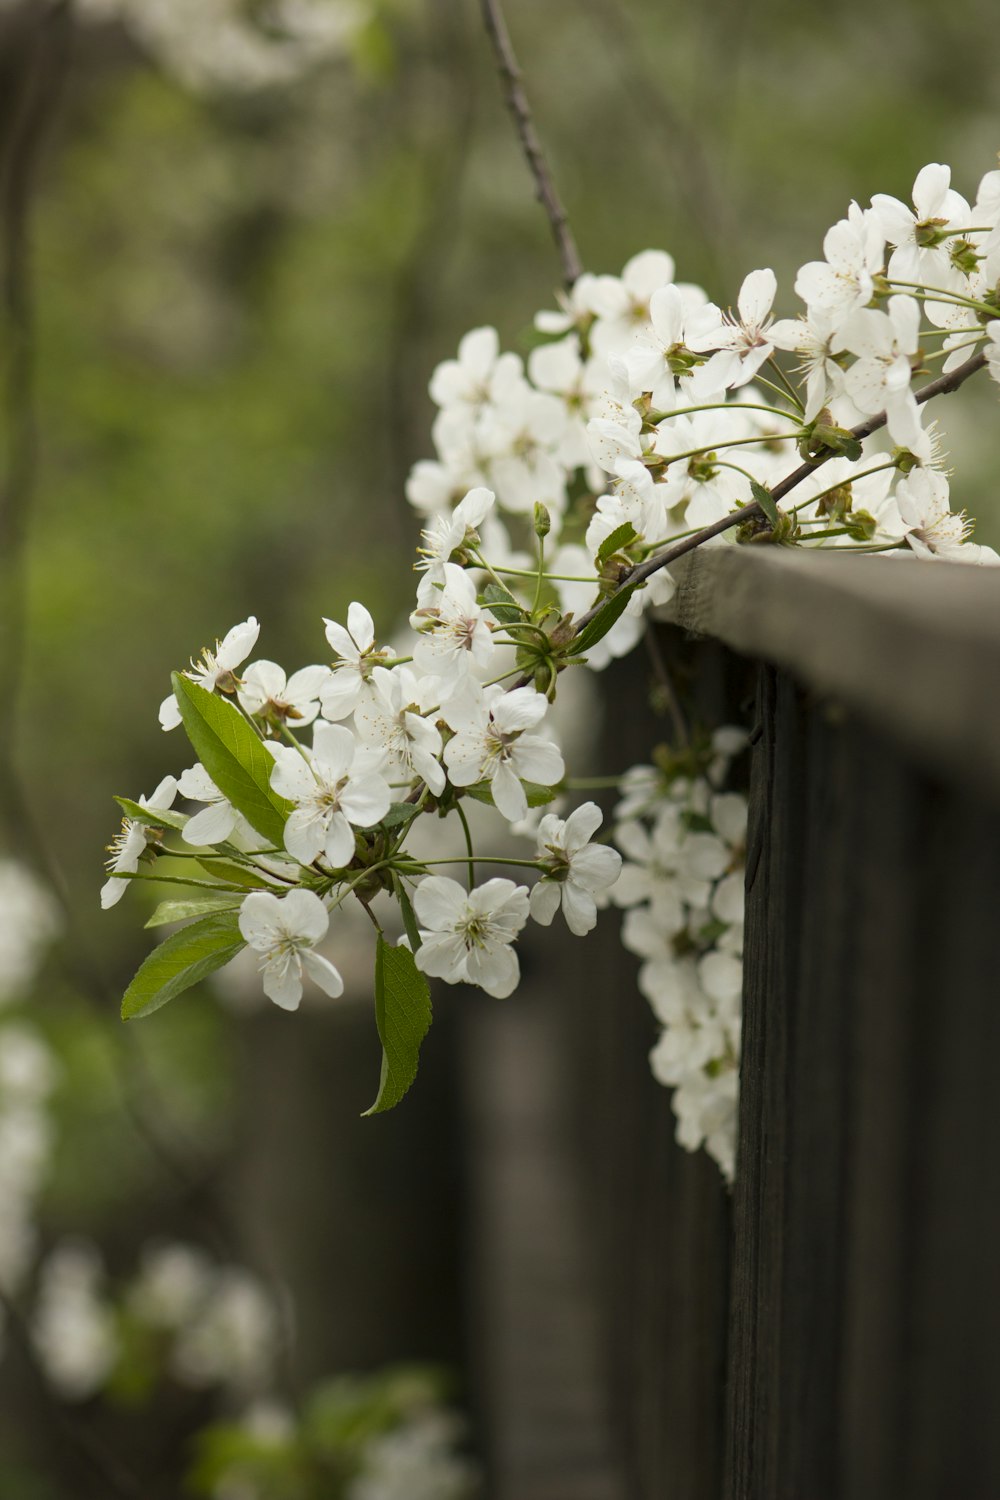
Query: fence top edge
(912, 646)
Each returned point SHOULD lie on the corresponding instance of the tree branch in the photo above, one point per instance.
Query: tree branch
(517, 103)
(943, 386)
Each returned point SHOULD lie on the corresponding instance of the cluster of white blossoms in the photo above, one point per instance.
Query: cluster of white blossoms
(682, 884)
(646, 416)
(385, 1436)
(235, 44)
(649, 413)
(418, 1460)
(208, 1325)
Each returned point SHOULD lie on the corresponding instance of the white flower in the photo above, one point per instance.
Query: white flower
(130, 844)
(74, 1330)
(459, 639)
(615, 429)
(285, 930)
(834, 287)
(217, 668)
(479, 375)
(588, 296)
(811, 338)
(234, 1339)
(522, 436)
(576, 869)
(448, 533)
(266, 690)
(746, 338)
(561, 370)
(355, 648)
(660, 357)
(885, 343)
(173, 1283)
(337, 789)
(933, 529)
(468, 936)
(669, 865)
(491, 745)
(624, 305)
(389, 718)
(217, 820)
(922, 251)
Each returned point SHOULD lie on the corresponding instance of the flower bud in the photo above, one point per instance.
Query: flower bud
(543, 521)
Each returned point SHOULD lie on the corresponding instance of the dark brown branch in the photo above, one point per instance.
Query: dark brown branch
(943, 386)
(517, 102)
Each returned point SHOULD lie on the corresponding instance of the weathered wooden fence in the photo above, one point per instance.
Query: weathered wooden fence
(829, 1331)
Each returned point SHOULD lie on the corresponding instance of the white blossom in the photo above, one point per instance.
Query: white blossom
(745, 339)
(267, 691)
(215, 669)
(285, 930)
(467, 936)
(458, 640)
(131, 843)
(480, 374)
(577, 871)
(337, 787)
(389, 719)
(73, 1329)
(491, 744)
(356, 654)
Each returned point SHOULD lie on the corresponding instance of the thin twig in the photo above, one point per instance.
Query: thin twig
(517, 102)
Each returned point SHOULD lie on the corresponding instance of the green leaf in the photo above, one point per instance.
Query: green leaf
(233, 756)
(621, 537)
(398, 814)
(603, 620)
(765, 500)
(153, 817)
(409, 916)
(179, 911)
(244, 875)
(403, 1018)
(502, 604)
(182, 960)
(536, 794)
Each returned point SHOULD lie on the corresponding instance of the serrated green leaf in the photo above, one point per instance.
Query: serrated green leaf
(403, 1018)
(153, 817)
(233, 756)
(603, 620)
(179, 911)
(502, 605)
(765, 500)
(536, 794)
(182, 960)
(621, 537)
